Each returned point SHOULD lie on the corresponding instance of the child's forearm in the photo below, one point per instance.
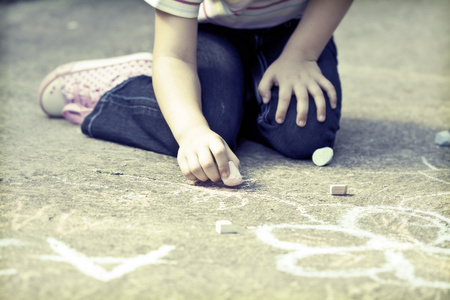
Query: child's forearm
(178, 90)
(175, 78)
(316, 27)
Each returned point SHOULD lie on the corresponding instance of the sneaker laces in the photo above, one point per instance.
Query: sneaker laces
(86, 95)
(83, 90)
(82, 99)
(83, 95)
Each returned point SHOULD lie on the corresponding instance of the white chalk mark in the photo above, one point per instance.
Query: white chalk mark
(97, 260)
(12, 242)
(208, 193)
(89, 266)
(7, 272)
(434, 178)
(392, 250)
(413, 173)
(16, 225)
(389, 172)
(65, 181)
(350, 219)
(421, 196)
(426, 163)
(389, 248)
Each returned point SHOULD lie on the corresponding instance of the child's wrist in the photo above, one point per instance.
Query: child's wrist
(188, 132)
(300, 54)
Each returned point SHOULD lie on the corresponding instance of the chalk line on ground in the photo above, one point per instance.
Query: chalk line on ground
(7, 272)
(90, 267)
(426, 163)
(392, 250)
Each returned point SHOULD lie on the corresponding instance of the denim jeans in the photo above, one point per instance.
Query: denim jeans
(231, 62)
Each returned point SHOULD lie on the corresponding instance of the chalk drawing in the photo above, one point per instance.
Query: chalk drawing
(433, 178)
(421, 173)
(234, 197)
(8, 272)
(86, 224)
(12, 242)
(16, 224)
(9, 243)
(395, 264)
(225, 198)
(426, 163)
(89, 266)
(62, 221)
(396, 268)
(230, 198)
(421, 196)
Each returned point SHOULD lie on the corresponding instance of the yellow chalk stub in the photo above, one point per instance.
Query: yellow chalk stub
(322, 156)
(338, 189)
(224, 226)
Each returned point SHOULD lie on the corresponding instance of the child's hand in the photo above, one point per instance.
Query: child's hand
(204, 155)
(300, 78)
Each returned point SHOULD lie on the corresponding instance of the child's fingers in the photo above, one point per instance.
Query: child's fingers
(302, 105)
(284, 98)
(182, 162)
(328, 87)
(219, 151)
(316, 92)
(208, 165)
(265, 87)
(195, 168)
(233, 158)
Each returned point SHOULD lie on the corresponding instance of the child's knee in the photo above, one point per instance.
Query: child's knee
(300, 142)
(303, 148)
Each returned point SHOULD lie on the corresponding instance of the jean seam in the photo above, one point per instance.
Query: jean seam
(134, 106)
(136, 110)
(92, 119)
(262, 61)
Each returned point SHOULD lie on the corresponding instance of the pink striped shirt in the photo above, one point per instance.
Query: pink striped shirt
(244, 14)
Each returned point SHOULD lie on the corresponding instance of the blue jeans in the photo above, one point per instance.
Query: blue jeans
(231, 63)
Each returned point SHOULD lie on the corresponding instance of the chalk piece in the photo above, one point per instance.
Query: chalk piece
(235, 177)
(225, 226)
(338, 189)
(442, 138)
(322, 156)
(72, 25)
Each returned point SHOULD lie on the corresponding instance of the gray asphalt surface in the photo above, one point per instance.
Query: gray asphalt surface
(87, 219)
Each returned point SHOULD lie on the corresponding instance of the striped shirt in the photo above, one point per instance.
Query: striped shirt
(243, 14)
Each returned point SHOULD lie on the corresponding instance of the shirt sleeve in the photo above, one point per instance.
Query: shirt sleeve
(179, 8)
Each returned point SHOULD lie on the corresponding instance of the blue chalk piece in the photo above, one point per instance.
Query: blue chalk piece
(442, 138)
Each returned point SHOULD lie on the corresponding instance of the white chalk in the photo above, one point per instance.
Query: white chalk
(72, 25)
(322, 156)
(224, 226)
(235, 177)
(338, 189)
(442, 138)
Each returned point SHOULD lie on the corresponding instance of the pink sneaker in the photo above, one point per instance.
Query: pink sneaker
(72, 90)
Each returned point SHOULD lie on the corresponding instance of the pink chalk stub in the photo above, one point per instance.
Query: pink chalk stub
(235, 177)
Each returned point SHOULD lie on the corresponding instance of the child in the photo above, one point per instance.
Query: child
(266, 69)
